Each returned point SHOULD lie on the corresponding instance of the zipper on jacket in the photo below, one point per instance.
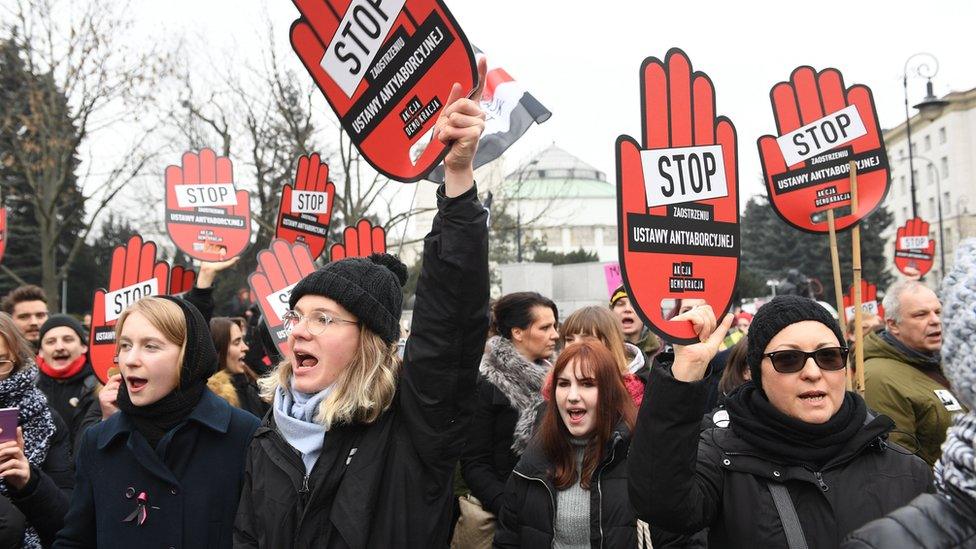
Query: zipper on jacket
(552, 501)
(599, 480)
(823, 485)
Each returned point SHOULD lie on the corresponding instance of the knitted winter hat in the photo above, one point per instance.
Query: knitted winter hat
(370, 288)
(58, 321)
(617, 295)
(959, 323)
(777, 314)
(200, 357)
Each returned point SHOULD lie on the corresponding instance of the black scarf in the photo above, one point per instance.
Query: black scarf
(154, 420)
(756, 421)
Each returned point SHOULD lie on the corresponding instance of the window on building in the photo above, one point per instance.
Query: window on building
(932, 207)
(581, 237)
(930, 172)
(942, 136)
(610, 236)
(553, 237)
(946, 203)
(945, 167)
(948, 239)
(903, 187)
(928, 142)
(904, 213)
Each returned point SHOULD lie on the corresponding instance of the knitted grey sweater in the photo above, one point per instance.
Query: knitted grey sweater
(572, 524)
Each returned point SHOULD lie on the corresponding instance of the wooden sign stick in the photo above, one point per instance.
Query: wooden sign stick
(838, 291)
(856, 260)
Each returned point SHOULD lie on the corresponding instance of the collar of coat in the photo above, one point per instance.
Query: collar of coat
(209, 412)
(534, 462)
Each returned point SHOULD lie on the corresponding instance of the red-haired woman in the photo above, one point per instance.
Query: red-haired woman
(570, 487)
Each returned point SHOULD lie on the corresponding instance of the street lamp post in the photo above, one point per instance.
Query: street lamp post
(929, 105)
(518, 209)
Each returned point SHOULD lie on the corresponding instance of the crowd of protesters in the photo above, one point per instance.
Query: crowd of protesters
(586, 431)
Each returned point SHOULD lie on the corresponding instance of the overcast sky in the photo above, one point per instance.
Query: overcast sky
(581, 59)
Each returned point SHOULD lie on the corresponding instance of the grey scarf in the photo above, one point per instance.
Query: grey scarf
(520, 381)
(294, 415)
(957, 466)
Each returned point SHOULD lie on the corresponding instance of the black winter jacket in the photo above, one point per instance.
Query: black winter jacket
(930, 521)
(389, 483)
(44, 500)
(529, 510)
(249, 395)
(683, 482)
(72, 398)
(488, 459)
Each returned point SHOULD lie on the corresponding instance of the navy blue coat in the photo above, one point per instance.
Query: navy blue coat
(192, 480)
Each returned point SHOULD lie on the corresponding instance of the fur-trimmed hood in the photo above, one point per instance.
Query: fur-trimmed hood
(221, 385)
(520, 381)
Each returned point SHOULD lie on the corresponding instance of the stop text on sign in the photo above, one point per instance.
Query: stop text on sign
(310, 202)
(821, 135)
(683, 174)
(356, 42)
(913, 242)
(119, 300)
(215, 194)
(279, 301)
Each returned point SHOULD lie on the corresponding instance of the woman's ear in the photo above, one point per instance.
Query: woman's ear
(518, 334)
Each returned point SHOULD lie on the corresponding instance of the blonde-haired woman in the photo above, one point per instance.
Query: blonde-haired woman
(167, 469)
(359, 451)
(601, 324)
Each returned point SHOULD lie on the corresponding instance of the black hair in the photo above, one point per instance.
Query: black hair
(515, 311)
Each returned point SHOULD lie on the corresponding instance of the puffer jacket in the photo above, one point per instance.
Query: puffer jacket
(897, 386)
(683, 482)
(930, 521)
(389, 483)
(529, 509)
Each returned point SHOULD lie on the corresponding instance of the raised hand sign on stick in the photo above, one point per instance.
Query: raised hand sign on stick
(360, 241)
(869, 301)
(822, 126)
(280, 267)
(181, 279)
(135, 273)
(678, 201)
(305, 209)
(914, 248)
(206, 217)
(386, 68)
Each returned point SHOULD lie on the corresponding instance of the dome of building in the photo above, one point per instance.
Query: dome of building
(555, 173)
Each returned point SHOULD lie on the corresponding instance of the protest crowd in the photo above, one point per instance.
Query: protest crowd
(178, 421)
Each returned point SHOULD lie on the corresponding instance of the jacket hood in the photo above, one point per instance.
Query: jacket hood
(534, 462)
(876, 347)
(636, 357)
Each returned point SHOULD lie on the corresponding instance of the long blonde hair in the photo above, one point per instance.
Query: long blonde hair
(364, 389)
(602, 324)
(164, 315)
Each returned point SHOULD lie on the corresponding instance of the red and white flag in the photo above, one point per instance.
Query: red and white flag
(509, 112)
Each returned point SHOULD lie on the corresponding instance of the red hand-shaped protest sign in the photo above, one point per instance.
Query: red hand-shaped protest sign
(206, 217)
(181, 279)
(386, 67)
(280, 267)
(914, 248)
(360, 241)
(678, 201)
(306, 209)
(822, 126)
(869, 301)
(134, 274)
(3, 231)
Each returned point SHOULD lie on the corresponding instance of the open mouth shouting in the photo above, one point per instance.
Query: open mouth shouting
(135, 384)
(61, 358)
(813, 398)
(576, 415)
(304, 362)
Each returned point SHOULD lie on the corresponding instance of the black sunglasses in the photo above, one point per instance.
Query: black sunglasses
(792, 361)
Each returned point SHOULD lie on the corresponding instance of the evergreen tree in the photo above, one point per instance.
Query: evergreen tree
(770, 248)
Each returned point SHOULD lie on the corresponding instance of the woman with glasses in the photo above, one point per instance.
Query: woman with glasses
(800, 462)
(36, 473)
(359, 450)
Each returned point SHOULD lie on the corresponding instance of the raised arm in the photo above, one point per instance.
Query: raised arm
(451, 312)
(675, 484)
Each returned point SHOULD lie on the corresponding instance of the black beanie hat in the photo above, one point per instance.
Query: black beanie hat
(368, 287)
(200, 358)
(58, 321)
(777, 314)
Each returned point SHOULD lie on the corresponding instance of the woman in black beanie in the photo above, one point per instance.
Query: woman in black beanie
(801, 461)
(167, 470)
(359, 450)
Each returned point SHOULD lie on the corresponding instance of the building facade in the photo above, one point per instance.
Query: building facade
(944, 158)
